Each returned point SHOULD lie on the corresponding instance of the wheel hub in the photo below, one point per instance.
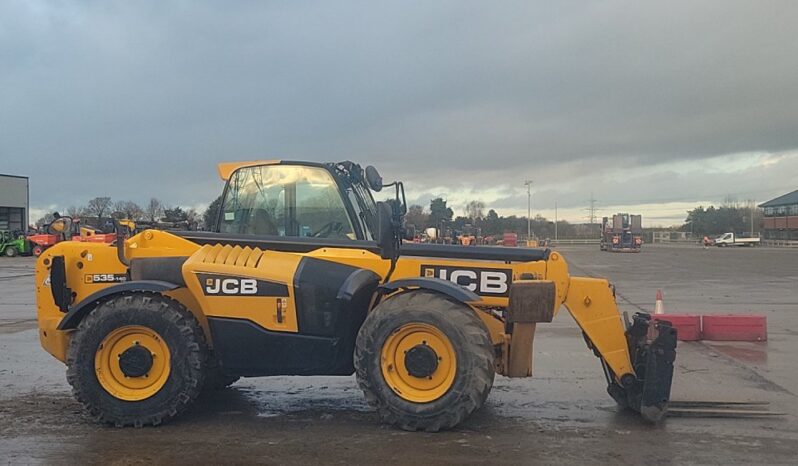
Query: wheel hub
(132, 363)
(421, 361)
(135, 361)
(418, 362)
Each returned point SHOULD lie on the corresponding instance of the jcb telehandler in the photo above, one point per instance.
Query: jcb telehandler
(306, 275)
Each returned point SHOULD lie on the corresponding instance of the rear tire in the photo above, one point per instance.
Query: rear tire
(11, 251)
(167, 330)
(471, 372)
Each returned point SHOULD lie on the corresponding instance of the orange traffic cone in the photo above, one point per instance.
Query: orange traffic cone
(659, 307)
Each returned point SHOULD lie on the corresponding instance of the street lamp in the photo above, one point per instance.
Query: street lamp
(528, 184)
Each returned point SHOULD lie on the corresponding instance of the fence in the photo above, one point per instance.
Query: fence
(576, 241)
(780, 243)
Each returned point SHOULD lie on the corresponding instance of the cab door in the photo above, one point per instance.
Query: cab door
(288, 201)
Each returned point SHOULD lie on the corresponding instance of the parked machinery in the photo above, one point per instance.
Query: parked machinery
(622, 233)
(13, 244)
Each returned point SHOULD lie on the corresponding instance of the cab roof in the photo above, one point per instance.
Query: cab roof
(227, 168)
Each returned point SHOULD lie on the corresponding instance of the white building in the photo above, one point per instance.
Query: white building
(14, 202)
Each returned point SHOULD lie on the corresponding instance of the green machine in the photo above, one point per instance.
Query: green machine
(13, 244)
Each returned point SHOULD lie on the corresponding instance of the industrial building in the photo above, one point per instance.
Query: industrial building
(14, 202)
(781, 217)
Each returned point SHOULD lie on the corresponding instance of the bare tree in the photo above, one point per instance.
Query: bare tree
(731, 202)
(98, 207)
(129, 210)
(44, 220)
(474, 210)
(75, 211)
(193, 218)
(154, 210)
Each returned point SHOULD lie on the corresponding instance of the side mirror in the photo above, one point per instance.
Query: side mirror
(373, 178)
(387, 238)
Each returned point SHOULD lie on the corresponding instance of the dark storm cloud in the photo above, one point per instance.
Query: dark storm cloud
(134, 99)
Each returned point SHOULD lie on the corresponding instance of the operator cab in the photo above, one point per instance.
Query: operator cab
(300, 200)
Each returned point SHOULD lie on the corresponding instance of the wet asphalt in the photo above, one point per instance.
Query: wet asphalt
(560, 416)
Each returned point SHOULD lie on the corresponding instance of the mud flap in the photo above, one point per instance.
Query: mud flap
(652, 348)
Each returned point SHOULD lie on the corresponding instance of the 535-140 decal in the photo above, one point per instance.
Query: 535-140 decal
(104, 278)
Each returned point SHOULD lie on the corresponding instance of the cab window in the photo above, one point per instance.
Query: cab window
(284, 200)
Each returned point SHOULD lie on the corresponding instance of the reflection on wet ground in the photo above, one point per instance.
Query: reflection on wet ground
(746, 352)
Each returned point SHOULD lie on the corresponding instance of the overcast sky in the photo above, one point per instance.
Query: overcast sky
(652, 107)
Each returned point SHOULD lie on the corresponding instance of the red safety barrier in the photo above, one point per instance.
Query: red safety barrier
(688, 326)
(734, 327)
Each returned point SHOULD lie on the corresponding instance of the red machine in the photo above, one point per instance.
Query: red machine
(65, 228)
(510, 239)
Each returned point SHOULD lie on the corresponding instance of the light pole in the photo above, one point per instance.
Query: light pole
(555, 221)
(528, 184)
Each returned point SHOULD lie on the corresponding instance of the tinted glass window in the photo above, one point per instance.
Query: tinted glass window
(283, 200)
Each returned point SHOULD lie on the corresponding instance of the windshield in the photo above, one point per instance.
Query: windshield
(285, 200)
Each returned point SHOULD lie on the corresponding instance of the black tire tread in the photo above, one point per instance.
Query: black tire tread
(477, 342)
(196, 358)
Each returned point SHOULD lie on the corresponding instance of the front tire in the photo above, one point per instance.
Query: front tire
(424, 361)
(137, 359)
(11, 251)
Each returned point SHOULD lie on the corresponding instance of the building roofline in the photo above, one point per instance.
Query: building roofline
(785, 199)
(15, 176)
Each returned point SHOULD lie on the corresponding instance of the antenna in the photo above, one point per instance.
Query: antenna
(528, 184)
(591, 210)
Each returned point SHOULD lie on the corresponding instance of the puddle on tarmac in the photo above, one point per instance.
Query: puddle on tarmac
(752, 353)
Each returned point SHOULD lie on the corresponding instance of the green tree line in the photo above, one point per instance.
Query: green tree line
(729, 217)
(440, 216)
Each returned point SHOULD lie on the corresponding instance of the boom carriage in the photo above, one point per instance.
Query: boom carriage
(424, 328)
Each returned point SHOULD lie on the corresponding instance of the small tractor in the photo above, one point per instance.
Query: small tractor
(305, 274)
(623, 234)
(13, 244)
(65, 228)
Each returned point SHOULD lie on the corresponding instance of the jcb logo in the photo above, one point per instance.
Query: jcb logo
(231, 286)
(227, 285)
(482, 281)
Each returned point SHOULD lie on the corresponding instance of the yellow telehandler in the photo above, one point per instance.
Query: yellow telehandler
(306, 275)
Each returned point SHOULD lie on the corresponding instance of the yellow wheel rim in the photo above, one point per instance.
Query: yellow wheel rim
(110, 372)
(394, 356)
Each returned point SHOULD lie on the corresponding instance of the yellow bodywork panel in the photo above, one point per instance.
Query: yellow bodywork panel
(213, 270)
(208, 271)
(156, 243)
(90, 267)
(592, 305)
